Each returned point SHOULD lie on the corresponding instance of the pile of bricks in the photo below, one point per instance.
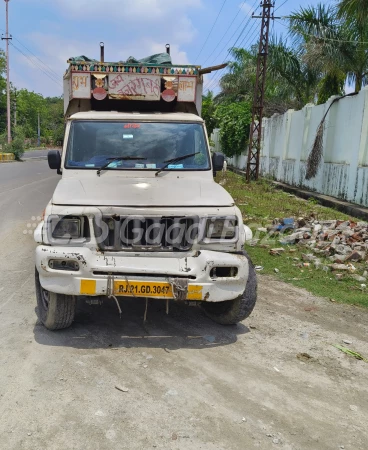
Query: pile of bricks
(342, 242)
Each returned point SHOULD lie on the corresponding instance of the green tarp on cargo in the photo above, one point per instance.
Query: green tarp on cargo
(159, 59)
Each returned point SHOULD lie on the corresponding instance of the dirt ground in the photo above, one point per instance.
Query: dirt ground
(190, 384)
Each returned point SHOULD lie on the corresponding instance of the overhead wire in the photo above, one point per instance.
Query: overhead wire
(248, 41)
(249, 31)
(240, 34)
(36, 65)
(282, 4)
(51, 71)
(229, 27)
(210, 32)
(213, 81)
(325, 38)
(221, 73)
(217, 78)
(218, 75)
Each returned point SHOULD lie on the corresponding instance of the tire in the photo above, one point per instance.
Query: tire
(55, 311)
(234, 311)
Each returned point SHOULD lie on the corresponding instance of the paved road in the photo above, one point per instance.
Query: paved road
(191, 384)
(35, 154)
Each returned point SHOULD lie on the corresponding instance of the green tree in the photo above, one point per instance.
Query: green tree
(354, 17)
(2, 92)
(333, 41)
(29, 105)
(355, 12)
(238, 83)
(208, 111)
(234, 120)
(287, 79)
(328, 47)
(53, 123)
(295, 81)
(50, 109)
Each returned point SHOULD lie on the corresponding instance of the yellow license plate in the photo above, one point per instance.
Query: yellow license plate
(153, 289)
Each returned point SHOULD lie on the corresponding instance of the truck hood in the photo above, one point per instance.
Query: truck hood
(162, 191)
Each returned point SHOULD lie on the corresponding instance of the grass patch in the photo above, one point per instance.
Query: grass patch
(260, 202)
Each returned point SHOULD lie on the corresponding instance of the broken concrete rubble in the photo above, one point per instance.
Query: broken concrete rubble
(359, 278)
(356, 256)
(342, 241)
(344, 267)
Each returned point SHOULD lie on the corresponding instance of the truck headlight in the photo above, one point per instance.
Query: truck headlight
(221, 228)
(67, 228)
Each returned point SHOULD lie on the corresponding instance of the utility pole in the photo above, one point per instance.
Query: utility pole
(39, 131)
(7, 38)
(15, 108)
(255, 136)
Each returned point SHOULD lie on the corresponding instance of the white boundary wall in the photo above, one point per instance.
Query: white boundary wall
(288, 140)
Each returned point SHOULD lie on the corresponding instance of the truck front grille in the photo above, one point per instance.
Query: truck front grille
(164, 234)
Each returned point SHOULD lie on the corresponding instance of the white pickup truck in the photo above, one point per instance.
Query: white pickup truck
(137, 212)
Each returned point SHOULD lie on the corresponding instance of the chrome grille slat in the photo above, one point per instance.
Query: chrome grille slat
(153, 233)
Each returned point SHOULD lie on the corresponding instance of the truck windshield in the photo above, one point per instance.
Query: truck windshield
(92, 144)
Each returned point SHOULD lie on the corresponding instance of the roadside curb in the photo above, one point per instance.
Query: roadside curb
(35, 158)
(6, 157)
(351, 209)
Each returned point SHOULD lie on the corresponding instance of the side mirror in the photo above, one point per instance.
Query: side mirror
(54, 160)
(217, 161)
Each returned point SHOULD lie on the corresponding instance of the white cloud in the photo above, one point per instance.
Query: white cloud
(44, 46)
(129, 10)
(129, 20)
(178, 56)
(128, 28)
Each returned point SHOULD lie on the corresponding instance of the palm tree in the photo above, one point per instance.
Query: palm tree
(238, 83)
(354, 11)
(286, 83)
(297, 81)
(333, 43)
(354, 15)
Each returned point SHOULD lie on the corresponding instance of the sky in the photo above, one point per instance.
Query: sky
(47, 32)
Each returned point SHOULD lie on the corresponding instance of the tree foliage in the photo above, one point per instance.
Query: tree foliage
(325, 49)
(208, 112)
(233, 120)
(50, 109)
(17, 146)
(333, 40)
(2, 92)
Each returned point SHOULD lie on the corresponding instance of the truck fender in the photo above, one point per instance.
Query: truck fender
(37, 235)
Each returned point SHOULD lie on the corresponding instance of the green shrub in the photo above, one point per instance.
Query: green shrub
(3, 142)
(17, 147)
(234, 122)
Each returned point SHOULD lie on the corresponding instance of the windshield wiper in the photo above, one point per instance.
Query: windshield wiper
(179, 158)
(119, 158)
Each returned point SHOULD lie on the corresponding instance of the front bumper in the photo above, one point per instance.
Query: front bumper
(98, 268)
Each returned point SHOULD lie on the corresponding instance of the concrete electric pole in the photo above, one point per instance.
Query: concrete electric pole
(39, 131)
(255, 136)
(15, 108)
(7, 38)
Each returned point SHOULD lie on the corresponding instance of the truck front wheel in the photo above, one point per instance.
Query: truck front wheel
(55, 311)
(233, 311)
